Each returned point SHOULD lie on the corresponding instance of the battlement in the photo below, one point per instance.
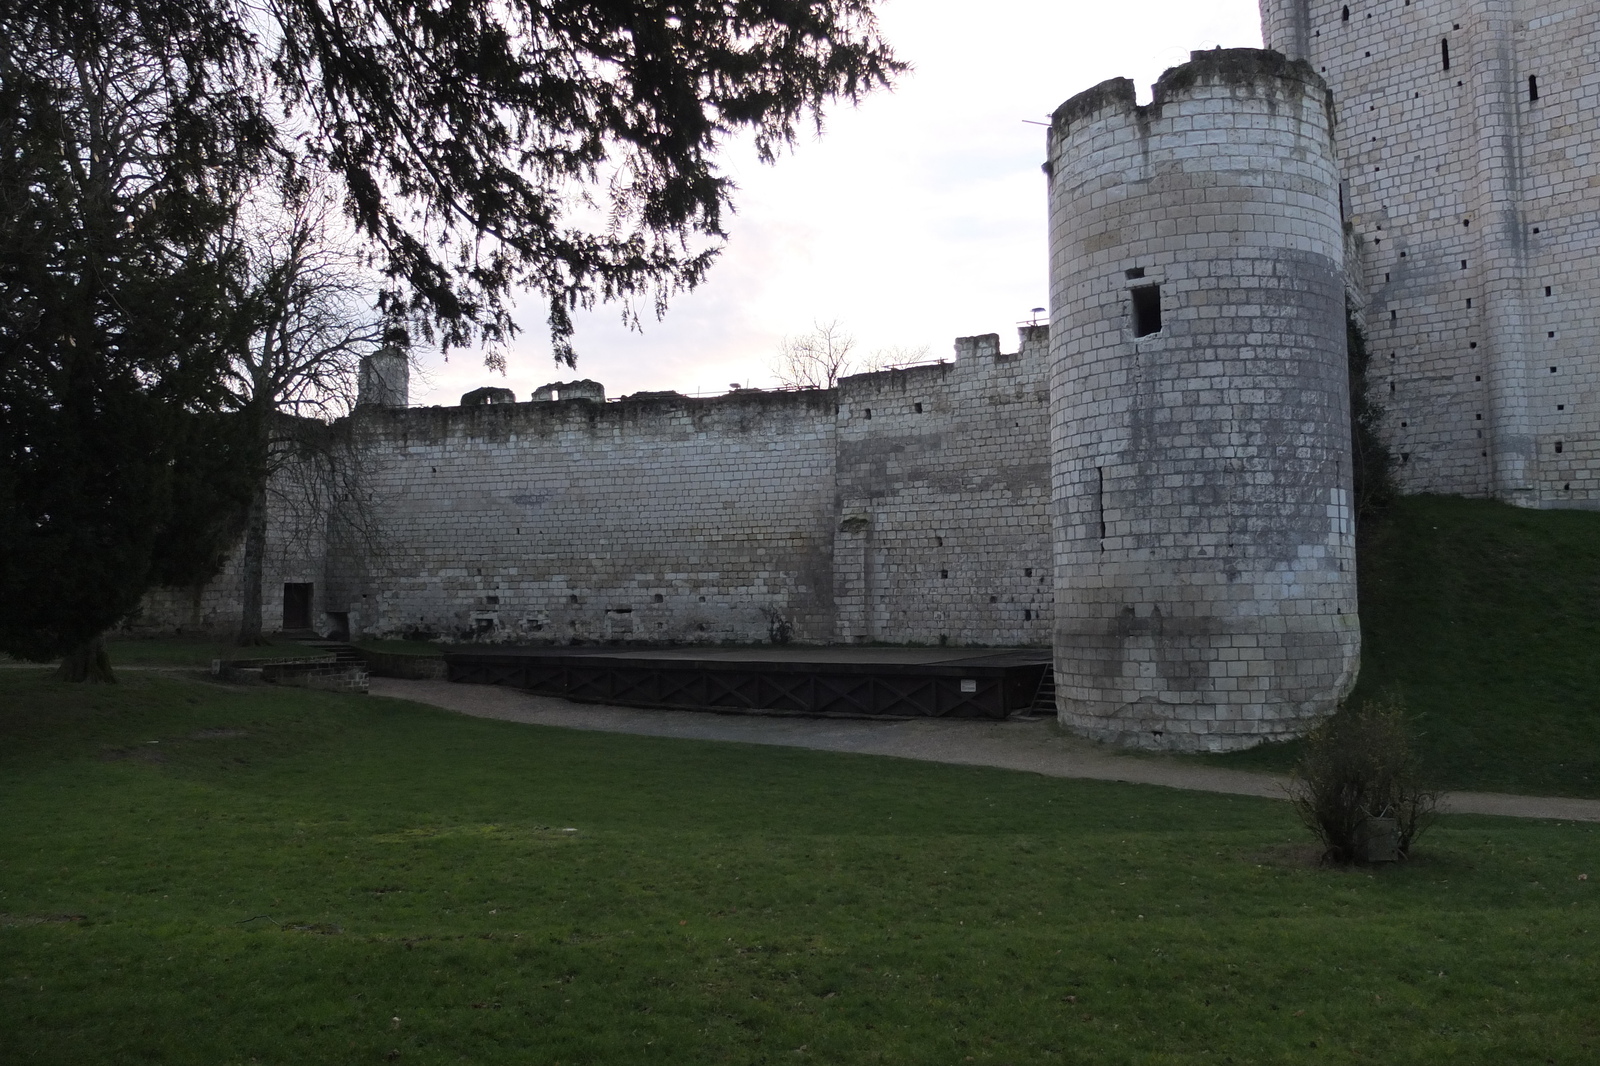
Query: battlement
(1255, 69)
(1114, 93)
(1033, 341)
(1235, 68)
(493, 414)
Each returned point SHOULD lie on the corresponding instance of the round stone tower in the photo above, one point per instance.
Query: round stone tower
(1200, 430)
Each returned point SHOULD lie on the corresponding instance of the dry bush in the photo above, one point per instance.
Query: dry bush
(1360, 765)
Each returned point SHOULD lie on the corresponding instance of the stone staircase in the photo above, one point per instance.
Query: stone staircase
(337, 667)
(342, 652)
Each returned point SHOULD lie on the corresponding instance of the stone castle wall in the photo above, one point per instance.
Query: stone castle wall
(902, 506)
(651, 518)
(1205, 553)
(944, 499)
(1471, 189)
(296, 552)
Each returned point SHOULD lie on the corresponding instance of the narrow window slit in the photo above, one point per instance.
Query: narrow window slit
(1100, 503)
(1146, 310)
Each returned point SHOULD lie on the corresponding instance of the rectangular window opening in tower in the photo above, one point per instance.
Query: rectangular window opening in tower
(1146, 310)
(1533, 87)
(1444, 51)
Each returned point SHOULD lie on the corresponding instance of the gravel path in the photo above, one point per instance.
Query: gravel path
(1037, 747)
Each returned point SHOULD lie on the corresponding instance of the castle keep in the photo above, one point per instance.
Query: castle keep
(1157, 484)
(1465, 136)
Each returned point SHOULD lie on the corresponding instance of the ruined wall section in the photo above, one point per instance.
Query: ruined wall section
(944, 493)
(1466, 134)
(1205, 554)
(656, 518)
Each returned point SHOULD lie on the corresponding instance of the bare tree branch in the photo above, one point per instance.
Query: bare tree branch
(817, 360)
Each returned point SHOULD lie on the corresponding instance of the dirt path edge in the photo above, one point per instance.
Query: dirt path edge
(1036, 747)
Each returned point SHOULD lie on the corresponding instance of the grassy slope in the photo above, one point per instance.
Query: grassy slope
(1487, 619)
(718, 903)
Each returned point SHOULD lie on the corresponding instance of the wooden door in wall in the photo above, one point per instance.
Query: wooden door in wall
(297, 605)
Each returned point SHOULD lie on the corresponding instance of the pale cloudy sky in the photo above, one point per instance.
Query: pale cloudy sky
(916, 218)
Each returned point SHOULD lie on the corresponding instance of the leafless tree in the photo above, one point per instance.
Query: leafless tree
(315, 305)
(817, 360)
(898, 355)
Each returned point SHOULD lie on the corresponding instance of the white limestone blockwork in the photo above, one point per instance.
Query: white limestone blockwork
(1466, 133)
(1204, 545)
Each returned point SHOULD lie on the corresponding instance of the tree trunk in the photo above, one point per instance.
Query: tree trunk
(88, 662)
(255, 550)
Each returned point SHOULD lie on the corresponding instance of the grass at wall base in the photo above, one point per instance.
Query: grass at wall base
(192, 873)
(1485, 619)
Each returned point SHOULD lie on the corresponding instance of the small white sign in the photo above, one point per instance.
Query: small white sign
(969, 684)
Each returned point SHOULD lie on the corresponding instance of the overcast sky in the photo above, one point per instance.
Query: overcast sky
(916, 218)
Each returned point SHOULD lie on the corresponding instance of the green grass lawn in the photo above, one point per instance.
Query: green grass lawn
(1486, 618)
(198, 651)
(197, 874)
